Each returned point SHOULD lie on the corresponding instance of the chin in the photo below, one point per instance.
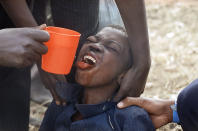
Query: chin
(90, 78)
(84, 80)
(83, 83)
(81, 78)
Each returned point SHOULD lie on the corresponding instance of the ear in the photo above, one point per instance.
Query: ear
(120, 77)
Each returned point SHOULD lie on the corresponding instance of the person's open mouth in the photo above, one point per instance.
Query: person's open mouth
(88, 61)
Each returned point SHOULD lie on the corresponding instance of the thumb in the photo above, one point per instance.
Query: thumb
(121, 94)
(129, 101)
(41, 27)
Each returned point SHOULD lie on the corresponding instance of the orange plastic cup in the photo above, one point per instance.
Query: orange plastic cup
(62, 48)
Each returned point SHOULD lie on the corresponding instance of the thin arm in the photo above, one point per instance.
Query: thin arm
(134, 18)
(19, 13)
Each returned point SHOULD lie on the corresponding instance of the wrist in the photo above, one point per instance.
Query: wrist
(169, 110)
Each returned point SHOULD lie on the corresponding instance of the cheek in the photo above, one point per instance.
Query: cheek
(105, 74)
(104, 77)
(109, 70)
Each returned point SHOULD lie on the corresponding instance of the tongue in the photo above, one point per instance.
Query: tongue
(82, 65)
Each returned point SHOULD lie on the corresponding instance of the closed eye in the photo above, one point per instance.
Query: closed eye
(88, 41)
(113, 46)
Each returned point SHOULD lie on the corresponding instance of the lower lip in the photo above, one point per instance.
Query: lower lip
(84, 66)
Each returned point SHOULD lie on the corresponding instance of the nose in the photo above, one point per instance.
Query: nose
(95, 48)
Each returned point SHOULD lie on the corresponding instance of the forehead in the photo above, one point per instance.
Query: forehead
(109, 33)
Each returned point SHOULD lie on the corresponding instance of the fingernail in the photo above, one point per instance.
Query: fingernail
(43, 25)
(120, 104)
(64, 103)
(57, 102)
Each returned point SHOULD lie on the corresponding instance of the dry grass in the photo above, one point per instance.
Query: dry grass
(174, 49)
(173, 32)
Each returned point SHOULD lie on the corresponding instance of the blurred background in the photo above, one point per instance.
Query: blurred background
(173, 29)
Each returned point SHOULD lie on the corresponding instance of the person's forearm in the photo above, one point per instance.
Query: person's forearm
(19, 13)
(134, 17)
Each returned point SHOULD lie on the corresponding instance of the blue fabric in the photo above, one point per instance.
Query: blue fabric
(175, 116)
(187, 107)
(99, 117)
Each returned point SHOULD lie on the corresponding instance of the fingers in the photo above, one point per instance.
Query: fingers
(50, 81)
(157, 109)
(34, 50)
(55, 96)
(59, 78)
(159, 121)
(39, 48)
(57, 99)
(42, 27)
(32, 56)
(129, 101)
(38, 35)
(120, 95)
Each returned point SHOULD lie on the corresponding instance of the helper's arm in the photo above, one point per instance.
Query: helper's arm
(19, 13)
(21, 16)
(134, 17)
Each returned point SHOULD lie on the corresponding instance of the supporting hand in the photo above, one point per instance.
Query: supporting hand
(134, 18)
(49, 80)
(159, 110)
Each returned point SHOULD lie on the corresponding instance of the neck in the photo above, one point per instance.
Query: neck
(96, 95)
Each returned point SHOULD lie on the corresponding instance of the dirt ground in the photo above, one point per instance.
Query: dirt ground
(173, 32)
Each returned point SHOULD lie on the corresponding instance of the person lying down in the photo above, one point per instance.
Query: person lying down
(102, 63)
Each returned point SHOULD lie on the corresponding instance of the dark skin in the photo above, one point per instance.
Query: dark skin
(133, 15)
(19, 12)
(159, 110)
(14, 9)
(134, 18)
(110, 49)
(21, 47)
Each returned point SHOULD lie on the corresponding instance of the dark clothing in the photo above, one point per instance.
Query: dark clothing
(5, 21)
(82, 15)
(96, 117)
(14, 99)
(78, 15)
(187, 107)
(14, 91)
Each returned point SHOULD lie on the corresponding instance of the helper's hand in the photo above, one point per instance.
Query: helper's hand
(21, 47)
(49, 80)
(159, 110)
(133, 82)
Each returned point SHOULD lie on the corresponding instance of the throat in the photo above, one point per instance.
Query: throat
(98, 95)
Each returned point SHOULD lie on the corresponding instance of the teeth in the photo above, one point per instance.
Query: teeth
(90, 58)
